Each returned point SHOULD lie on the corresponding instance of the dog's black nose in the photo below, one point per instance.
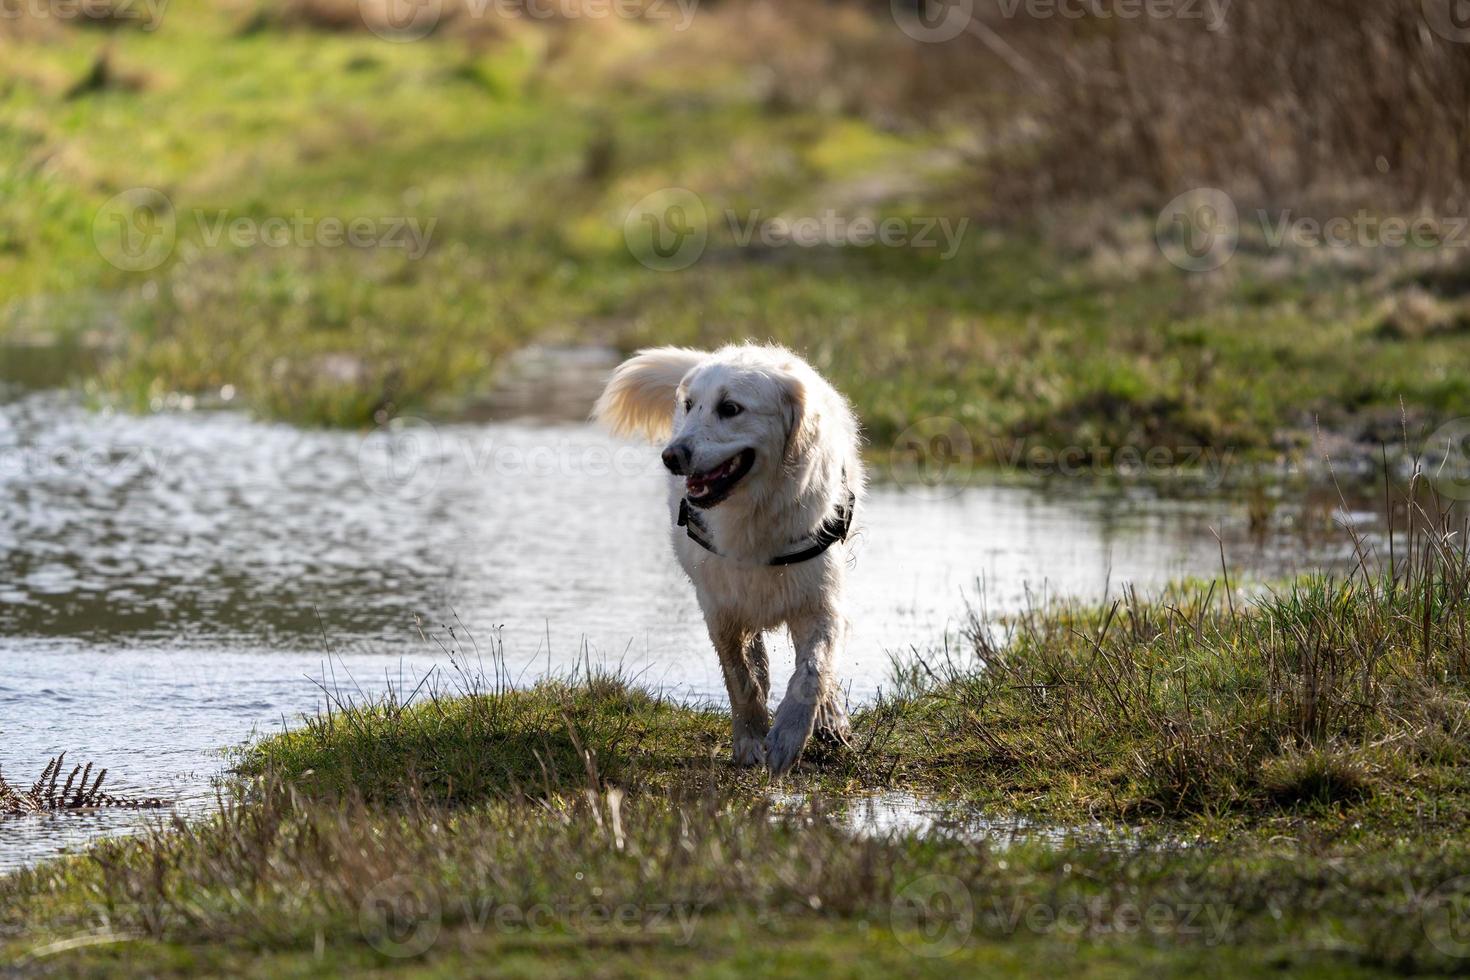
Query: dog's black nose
(676, 459)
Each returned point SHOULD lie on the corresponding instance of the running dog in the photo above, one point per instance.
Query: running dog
(765, 477)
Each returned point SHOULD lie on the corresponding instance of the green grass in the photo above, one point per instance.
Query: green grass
(1211, 784)
(722, 947)
(525, 155)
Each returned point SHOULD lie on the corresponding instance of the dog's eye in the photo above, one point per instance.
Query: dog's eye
(728, 410)
(688, 404)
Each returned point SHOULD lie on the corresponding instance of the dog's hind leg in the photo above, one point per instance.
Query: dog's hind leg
(816, 638)
(747, 679)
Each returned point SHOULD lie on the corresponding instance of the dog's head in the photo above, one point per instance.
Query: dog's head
(733, 418)
(738, 420)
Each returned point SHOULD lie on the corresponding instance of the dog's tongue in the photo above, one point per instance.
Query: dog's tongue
(698, 483)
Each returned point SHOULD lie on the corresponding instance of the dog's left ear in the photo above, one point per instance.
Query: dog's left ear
(801, 419)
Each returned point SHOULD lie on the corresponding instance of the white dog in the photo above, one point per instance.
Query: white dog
(765, 477)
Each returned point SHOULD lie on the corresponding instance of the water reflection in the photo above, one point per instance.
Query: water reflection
(169, 583)
(901, 814)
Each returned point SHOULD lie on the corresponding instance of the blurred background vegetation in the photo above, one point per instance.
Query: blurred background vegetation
(523, 141)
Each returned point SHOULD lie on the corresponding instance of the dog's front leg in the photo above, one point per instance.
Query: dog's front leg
(747, 679)
(816, 637)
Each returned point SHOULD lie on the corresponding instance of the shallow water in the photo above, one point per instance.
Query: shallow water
(902, 814)
(173, 583)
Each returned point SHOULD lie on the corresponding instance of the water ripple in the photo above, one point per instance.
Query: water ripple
(176, 582)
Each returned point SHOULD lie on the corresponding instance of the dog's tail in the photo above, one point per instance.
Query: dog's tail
(639, 397)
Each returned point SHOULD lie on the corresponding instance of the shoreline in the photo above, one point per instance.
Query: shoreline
(1179, 718)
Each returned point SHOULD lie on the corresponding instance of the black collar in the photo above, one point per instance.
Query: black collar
(831, 531)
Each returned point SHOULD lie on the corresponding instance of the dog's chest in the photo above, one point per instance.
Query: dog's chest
(761, 597)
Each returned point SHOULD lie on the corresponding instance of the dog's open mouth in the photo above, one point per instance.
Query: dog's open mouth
(712, 486)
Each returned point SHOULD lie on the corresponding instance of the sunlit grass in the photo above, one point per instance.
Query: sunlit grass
(524, 153)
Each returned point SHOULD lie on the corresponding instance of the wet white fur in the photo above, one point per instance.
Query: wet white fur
(806, 441)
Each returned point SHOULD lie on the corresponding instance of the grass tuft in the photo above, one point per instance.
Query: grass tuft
(1316, 775)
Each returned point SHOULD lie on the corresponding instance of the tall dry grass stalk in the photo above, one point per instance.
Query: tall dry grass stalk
(1314, 105)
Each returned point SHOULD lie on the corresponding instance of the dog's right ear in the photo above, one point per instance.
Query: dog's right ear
(801, 417)
(639, 397)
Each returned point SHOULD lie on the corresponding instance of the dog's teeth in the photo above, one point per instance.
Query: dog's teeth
(698, 484)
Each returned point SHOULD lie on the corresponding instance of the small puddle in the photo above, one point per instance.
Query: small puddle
(903, 814)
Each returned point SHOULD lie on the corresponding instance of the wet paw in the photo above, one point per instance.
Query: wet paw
(783, 747)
